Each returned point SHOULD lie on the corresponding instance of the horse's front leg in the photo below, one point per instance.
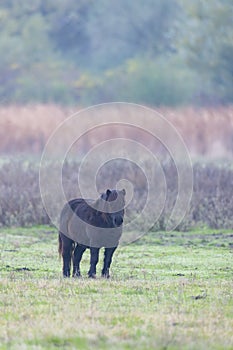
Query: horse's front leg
(78, 253)
(93, 262)
(108, 253)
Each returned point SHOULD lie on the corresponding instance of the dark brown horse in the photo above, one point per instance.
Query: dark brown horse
(86, 223)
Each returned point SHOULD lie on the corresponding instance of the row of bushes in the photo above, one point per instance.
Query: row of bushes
(211, 203)
(206, 131)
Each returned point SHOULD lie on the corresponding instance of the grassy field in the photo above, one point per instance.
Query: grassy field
(167, 291)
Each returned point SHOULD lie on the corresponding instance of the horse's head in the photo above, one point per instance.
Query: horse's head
(114, 203)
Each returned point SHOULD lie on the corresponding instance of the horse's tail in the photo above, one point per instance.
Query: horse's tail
(63, 227)
(59, 245)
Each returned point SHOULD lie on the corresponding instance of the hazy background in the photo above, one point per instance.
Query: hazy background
(156, 52)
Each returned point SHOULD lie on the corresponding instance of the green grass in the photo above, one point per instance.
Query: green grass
(167, 291)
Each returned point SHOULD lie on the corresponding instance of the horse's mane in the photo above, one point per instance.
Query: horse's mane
(89, 210)
(101, 208)
(95, 212)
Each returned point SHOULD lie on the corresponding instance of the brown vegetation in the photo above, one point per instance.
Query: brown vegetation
(206, 132)
(211, 204)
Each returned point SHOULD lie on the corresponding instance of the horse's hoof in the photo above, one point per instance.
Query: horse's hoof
(105, 275)
(93, 275)
(77, 275)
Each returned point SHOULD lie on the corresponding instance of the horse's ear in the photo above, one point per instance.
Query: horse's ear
(123, 192)
(108, 192)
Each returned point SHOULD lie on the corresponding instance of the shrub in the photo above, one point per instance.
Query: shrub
(211, 204)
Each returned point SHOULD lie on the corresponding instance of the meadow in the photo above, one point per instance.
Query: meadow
(166, 291)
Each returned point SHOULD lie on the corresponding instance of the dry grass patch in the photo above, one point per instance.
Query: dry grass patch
(175, 297)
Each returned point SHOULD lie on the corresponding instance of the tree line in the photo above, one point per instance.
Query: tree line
(156, 52)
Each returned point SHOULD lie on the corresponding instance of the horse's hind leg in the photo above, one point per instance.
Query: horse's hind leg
(67, 245)
(108, 253)
(78, 253)
(93, 262)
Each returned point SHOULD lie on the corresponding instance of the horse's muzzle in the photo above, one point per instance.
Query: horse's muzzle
(118, 221)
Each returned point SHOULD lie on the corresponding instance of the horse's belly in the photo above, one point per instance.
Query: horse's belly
(103, 237)
(77, 231)
(92, 236)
